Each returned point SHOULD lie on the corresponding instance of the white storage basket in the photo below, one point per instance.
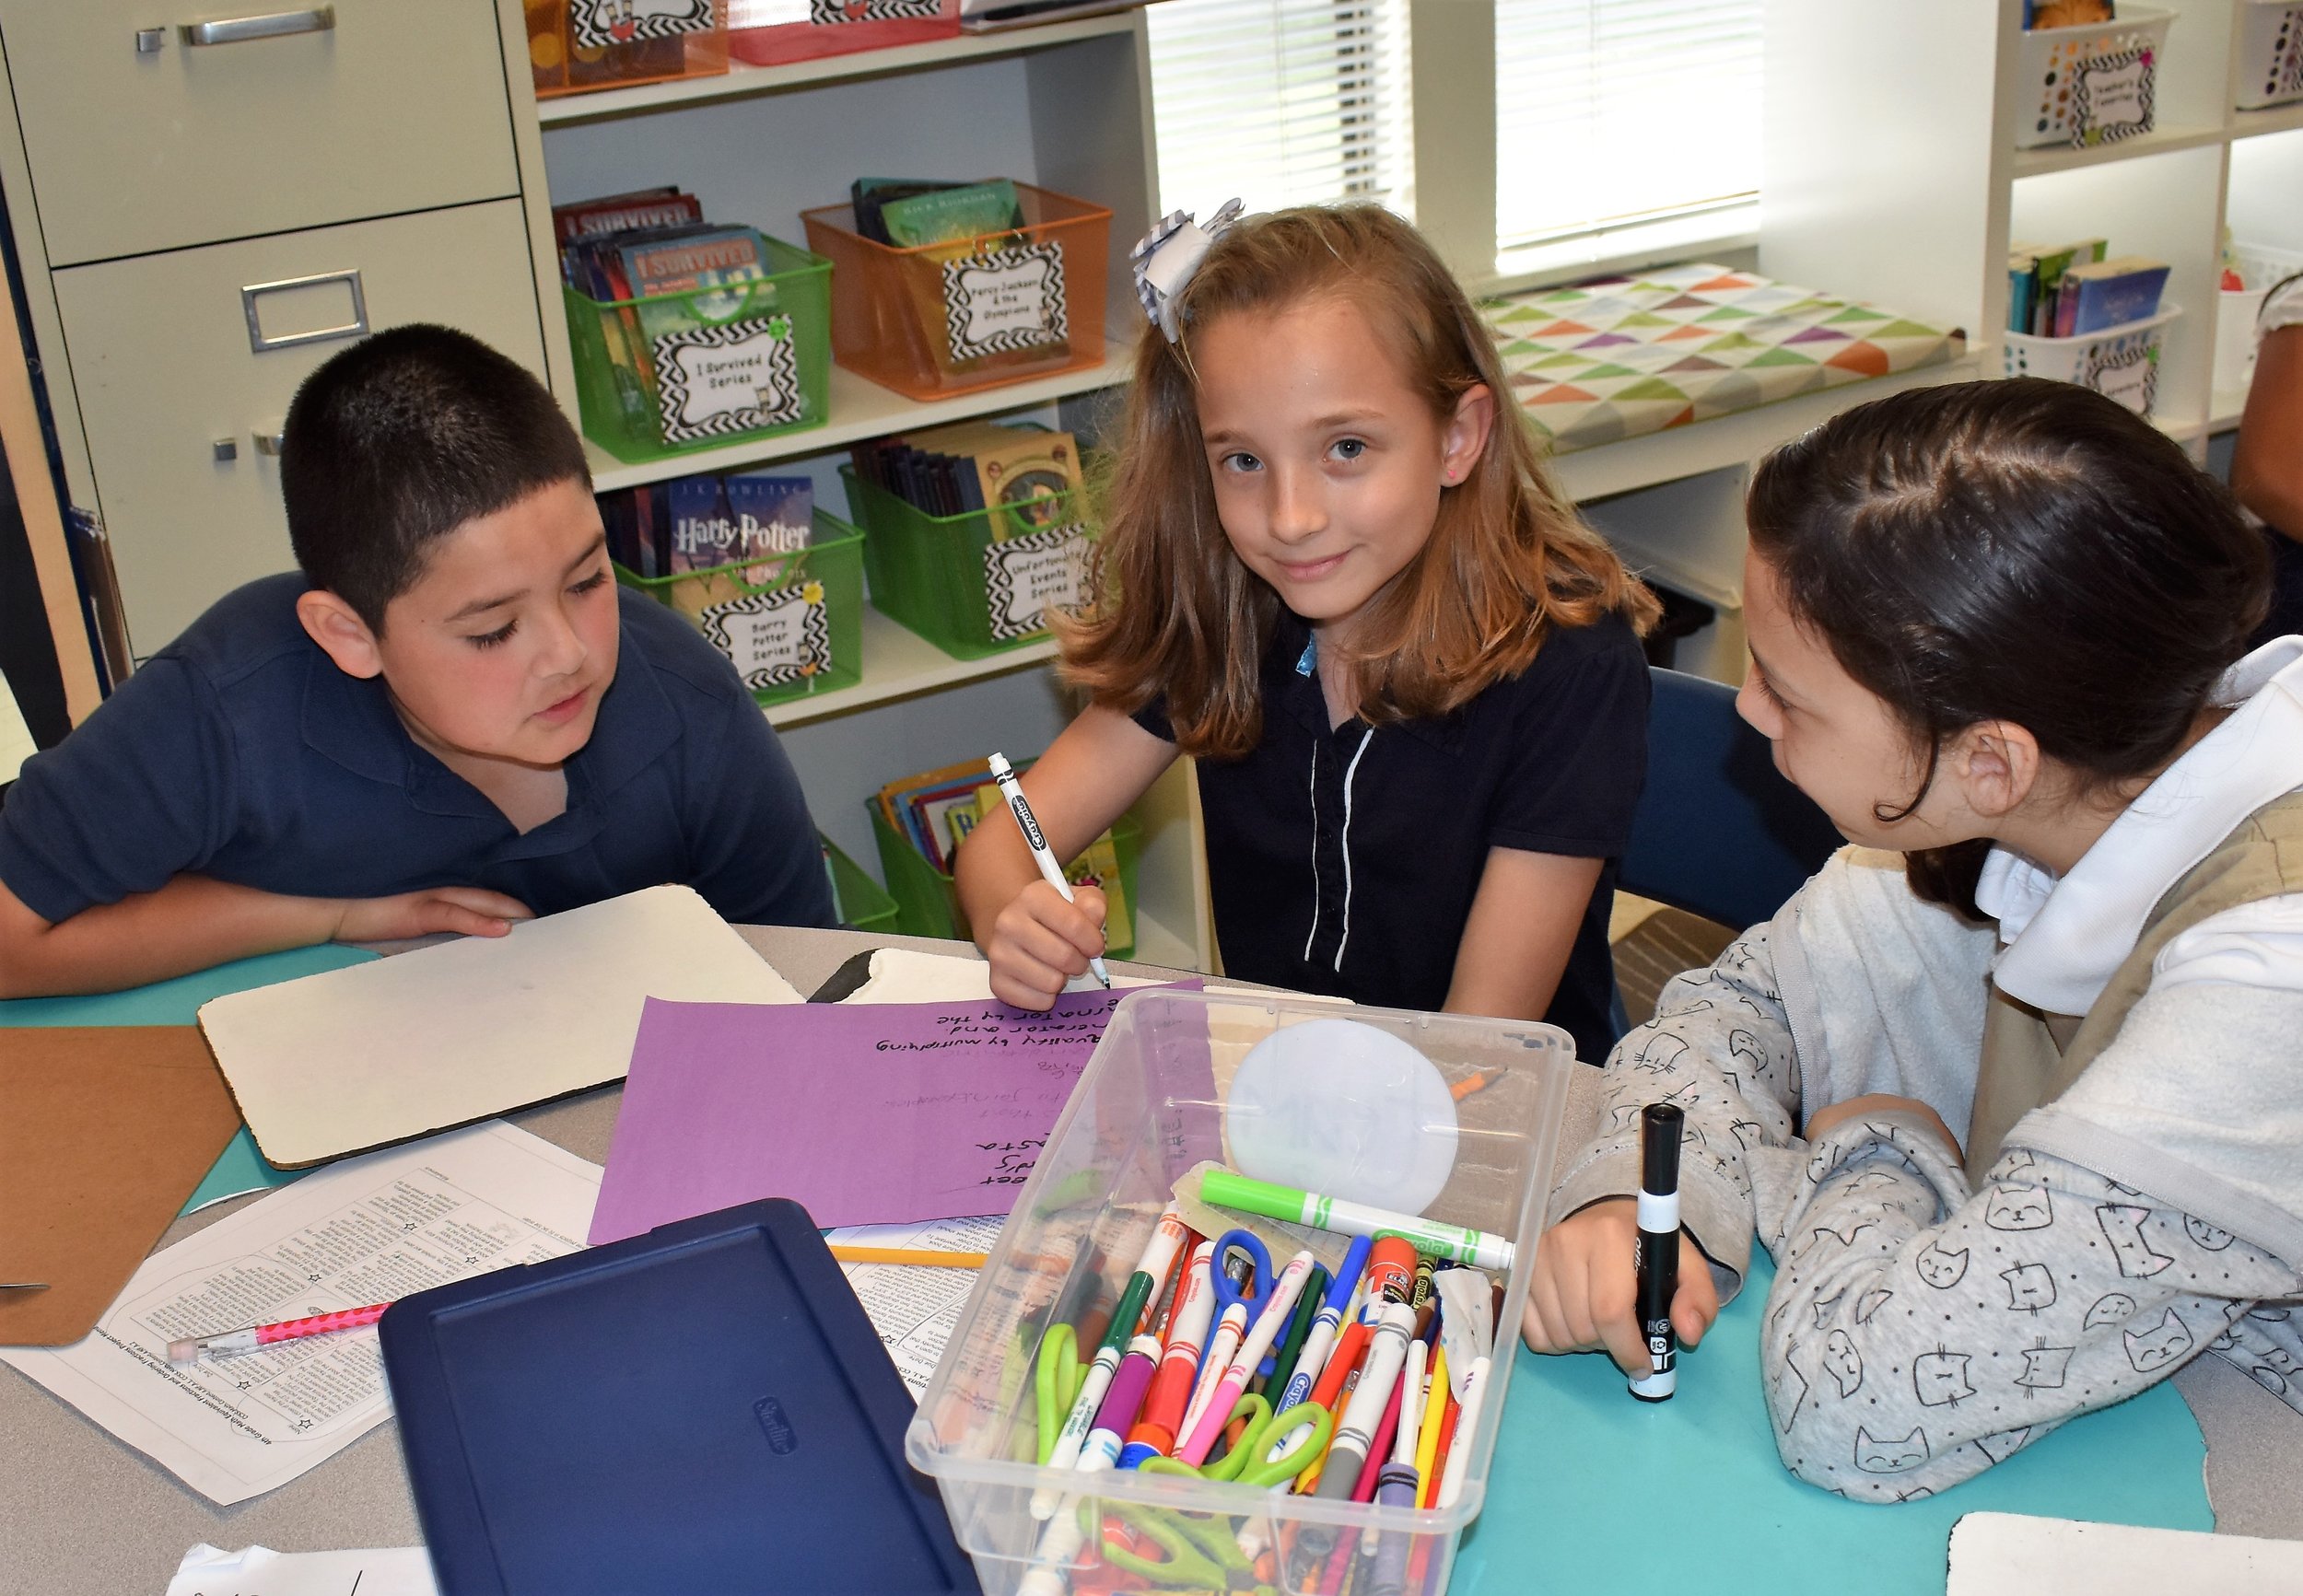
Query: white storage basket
(2270, 53)
(2121, 362)
(2092, 83)
(2236, 311)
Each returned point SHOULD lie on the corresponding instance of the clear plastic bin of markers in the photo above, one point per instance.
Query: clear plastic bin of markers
(1151, 1105)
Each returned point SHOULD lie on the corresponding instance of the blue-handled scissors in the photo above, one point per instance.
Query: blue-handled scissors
(1258, 1284)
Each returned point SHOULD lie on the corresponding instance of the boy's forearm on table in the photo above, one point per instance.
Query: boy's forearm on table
(190, 924)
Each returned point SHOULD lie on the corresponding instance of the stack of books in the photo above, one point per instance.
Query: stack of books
(908, 212)
(708, 524)
(1028, 478)
(2071, 290)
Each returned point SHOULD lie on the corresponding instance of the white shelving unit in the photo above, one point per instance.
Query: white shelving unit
(1066, 106)
(1893, 173)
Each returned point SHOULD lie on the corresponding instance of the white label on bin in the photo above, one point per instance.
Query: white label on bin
(1005, 300)
(601, 23)
(2129, 375)
(774, 637)
(1024, 577)
(2110, 97)
(737, 378)
(829, 13)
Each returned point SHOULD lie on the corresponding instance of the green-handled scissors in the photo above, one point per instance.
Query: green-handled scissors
(1194, 1552)
(1059, 1378)
(1270, 1452)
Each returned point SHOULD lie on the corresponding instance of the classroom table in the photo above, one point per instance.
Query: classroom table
(82, 1512)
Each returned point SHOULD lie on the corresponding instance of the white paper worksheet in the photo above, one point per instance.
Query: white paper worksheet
(915, 1308)
(260, 1571)
(369, 1229)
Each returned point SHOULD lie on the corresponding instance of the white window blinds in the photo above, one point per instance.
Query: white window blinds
(1280, 101)
(1614, 115)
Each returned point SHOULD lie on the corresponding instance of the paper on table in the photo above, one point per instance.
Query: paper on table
(906, 975)
(879, 1114)
(915, 1309)
(369, 1229)
(403, 1046)
(2017, 1554)
(260, 1571)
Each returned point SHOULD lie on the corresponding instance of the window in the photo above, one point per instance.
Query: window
(1616, 117)
(1280, 101)
(1623, 128)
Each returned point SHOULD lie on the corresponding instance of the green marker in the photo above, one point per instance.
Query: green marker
(1292, 1345)
(1481, 1249)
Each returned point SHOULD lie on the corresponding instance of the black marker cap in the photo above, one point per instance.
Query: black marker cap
(1659, 1147)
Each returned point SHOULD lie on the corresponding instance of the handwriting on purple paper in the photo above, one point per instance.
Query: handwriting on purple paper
(867, 1113)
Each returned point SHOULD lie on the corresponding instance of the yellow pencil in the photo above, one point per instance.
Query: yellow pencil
(928, 1256)
(1434, 1409)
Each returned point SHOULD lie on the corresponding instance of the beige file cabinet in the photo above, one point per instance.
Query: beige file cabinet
(291, 116)
(183, 397)
(209, 198)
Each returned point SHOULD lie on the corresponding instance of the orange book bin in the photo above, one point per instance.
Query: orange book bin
(575, 45)
(937, 319)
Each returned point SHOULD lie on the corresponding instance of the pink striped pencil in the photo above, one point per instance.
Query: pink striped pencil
(257, 1336)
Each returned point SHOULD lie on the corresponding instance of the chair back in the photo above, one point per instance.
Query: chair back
(1718, 833)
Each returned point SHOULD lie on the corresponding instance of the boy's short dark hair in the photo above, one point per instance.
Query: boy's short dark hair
(401, 439)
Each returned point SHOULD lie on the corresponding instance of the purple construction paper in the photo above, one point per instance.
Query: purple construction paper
(865, 1114)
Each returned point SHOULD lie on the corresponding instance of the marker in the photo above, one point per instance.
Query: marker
(1322, 1339)
(1165, 1405)
(1223, 1189)
(1277, 1306)
(257, 1336)
(1159, 1255)
(1299, 1326)
(1122, 1404)
(1061, 1539)
(1355, 1434)
(1050, 871)
(1427, 1445)
(1656, 1258)
(1395, 1486)
(1459, 1446)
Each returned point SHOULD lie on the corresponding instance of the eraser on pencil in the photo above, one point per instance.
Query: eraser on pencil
(183, 1351)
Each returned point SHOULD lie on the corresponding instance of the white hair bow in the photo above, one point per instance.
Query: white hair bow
(1167, 257)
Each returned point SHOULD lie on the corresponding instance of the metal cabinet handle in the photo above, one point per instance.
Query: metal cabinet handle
(258, 342)
(275, 25)
(270, 442)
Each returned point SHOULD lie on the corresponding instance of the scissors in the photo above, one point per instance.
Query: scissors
(1257, 1287)
(1058, 1379)
(1170, 1550)
(1270, 1451)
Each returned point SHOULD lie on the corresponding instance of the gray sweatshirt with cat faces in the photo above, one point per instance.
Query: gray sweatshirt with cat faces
(1919, 1330)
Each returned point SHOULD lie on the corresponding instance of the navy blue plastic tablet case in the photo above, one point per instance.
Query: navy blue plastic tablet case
(705, 1408)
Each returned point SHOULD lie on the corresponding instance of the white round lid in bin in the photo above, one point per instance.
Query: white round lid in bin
(1346, 1110)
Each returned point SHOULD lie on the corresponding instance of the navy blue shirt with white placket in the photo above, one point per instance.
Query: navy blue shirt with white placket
(241, 752)
(1344, 859)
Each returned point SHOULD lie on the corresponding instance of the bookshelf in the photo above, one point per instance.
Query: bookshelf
(1903, 185)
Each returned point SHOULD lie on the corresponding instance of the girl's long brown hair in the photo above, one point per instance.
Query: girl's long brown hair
(1176, 611)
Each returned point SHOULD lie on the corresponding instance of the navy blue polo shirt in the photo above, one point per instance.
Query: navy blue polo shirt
(1345, 860)
(239, 751)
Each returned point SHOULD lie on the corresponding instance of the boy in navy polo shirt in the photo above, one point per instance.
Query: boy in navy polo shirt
(452, 718)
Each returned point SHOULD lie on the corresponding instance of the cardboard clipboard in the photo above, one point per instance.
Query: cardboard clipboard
(104, 1132)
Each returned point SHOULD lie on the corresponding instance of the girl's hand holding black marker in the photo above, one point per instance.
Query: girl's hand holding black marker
(1584, 1295)
(1039, 942)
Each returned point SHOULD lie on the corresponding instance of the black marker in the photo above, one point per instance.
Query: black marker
(1658, 1258)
